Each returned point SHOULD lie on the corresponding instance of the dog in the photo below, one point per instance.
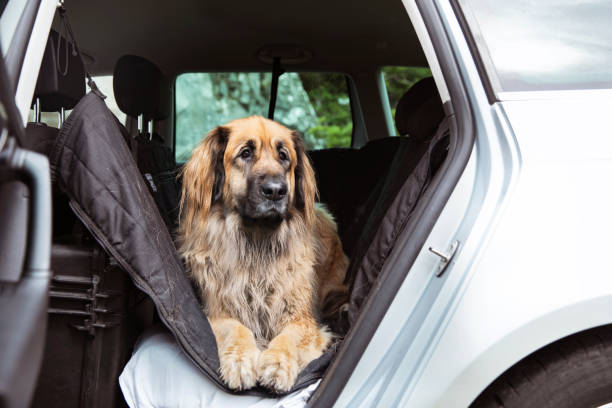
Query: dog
(264, 256)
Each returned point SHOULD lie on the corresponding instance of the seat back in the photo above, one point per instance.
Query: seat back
(141, 89)
(60, 85)
(390, 206)
(346, 178)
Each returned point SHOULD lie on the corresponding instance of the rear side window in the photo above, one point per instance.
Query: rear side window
(530, 45)
(316, 104)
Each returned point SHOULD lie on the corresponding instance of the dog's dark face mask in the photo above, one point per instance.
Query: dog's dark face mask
(258, 174)
(267, 200)
(266, 168)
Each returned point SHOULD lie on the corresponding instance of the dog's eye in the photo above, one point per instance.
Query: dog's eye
(246, 153)
(283, 156)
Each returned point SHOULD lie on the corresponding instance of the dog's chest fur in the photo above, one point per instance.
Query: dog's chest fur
(260, 280)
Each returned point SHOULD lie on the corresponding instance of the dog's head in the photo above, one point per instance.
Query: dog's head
(253, 167)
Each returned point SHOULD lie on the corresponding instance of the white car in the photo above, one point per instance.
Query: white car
(497, 292)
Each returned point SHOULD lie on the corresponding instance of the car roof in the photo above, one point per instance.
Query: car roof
(213, 35)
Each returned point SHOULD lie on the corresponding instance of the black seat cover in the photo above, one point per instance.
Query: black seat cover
(393, 200)
(95, 168)
(346, 178)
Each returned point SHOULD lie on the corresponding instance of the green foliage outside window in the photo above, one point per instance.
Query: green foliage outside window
(328, 94)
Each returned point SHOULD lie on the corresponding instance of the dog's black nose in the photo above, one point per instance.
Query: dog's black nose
(274, 189)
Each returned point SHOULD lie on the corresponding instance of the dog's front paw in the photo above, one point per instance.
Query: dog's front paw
(239, 366)
(277, 370)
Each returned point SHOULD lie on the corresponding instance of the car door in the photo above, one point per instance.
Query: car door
(25, 234)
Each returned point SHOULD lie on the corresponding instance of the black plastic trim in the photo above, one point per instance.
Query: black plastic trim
(359, 134)
(417, 230)
(15, 54)
(483, 62)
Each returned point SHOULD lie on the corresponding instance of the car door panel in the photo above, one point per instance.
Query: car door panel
(25, 243)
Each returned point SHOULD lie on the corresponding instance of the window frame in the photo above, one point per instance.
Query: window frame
(358, 132)
(479, 50)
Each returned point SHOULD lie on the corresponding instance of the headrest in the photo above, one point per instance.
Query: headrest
(141, 88)
(420, 110)
(61, 79)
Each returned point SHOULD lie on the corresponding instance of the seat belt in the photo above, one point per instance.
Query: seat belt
(277, 71)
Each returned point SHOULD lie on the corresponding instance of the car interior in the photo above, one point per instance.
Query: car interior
(372, 184)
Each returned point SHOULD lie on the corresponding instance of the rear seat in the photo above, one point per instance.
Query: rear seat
(349, 180)
(346, 177)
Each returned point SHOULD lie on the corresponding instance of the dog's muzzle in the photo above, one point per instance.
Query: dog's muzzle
(267, 201)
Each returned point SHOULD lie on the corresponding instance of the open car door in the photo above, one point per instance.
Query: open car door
(25, 243)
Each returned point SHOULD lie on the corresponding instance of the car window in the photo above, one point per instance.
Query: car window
(398, 80)
(105, 84)
(316, 104)
(543, 45)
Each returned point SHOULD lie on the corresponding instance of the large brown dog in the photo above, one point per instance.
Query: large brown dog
(264, 256)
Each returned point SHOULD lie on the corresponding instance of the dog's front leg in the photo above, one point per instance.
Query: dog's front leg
(238, 353)
(300, 342)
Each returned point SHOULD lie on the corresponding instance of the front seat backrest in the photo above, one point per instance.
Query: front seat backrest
(60, 85)
(141, 89)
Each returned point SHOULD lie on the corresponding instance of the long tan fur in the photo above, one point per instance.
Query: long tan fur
(261, 287)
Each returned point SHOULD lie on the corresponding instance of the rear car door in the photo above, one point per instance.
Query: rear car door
(25, 225)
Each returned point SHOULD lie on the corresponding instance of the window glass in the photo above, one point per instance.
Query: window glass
(543, 45)
(105, 85)
(50, 119)
(315, 104)
(398, 80)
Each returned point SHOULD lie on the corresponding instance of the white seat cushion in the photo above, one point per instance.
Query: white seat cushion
(159, 375)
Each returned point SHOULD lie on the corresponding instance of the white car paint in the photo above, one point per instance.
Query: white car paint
(545, 273)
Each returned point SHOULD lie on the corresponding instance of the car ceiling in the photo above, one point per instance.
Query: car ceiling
(193, 35)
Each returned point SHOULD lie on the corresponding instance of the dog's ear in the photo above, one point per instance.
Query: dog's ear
(203, 179)
(305, 182)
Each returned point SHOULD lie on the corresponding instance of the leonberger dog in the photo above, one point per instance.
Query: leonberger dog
(263, 254)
